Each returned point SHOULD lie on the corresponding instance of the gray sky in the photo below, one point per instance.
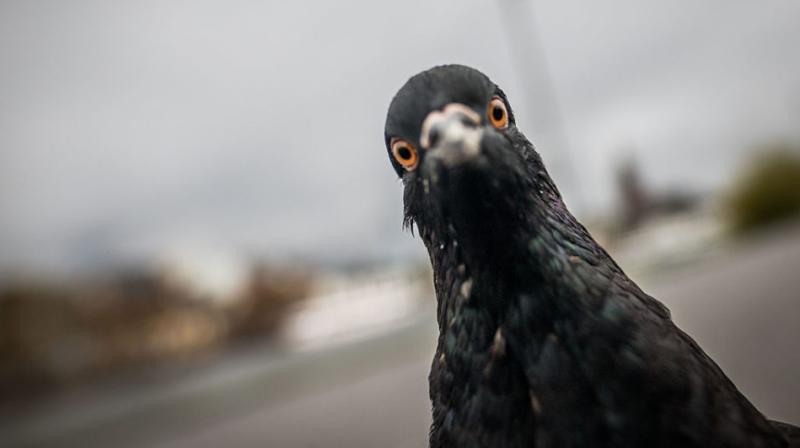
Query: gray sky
(133, 129)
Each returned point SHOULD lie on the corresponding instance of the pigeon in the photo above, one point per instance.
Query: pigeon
(543, 340)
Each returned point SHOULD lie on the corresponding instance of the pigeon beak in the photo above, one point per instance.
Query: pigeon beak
(452, 135)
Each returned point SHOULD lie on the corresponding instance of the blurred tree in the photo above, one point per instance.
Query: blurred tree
(270, 297)
(767, 191)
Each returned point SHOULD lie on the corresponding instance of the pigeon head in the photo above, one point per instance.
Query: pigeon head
(470, 177)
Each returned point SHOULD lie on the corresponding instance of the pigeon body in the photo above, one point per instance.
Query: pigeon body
(543, 339)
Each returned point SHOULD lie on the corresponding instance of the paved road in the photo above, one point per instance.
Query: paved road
(743, 309)
(390, 409)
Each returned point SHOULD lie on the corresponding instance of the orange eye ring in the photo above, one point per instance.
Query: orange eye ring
(405, 154)
(497, 113)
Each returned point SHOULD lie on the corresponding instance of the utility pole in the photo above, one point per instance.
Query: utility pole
(530, 64)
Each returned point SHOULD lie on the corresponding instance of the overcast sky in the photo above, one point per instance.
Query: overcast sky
(129, 130)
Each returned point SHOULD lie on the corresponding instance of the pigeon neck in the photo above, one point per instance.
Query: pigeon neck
(516, 259)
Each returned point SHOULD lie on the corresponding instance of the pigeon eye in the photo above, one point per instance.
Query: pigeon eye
(498, 115)
(405, 154)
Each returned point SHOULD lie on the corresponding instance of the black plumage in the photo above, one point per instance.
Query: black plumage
(544, 341)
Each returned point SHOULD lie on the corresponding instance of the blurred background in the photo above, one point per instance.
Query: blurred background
(200, 233)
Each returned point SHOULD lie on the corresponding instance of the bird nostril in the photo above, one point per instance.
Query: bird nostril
(467, 122)
(434, 135)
